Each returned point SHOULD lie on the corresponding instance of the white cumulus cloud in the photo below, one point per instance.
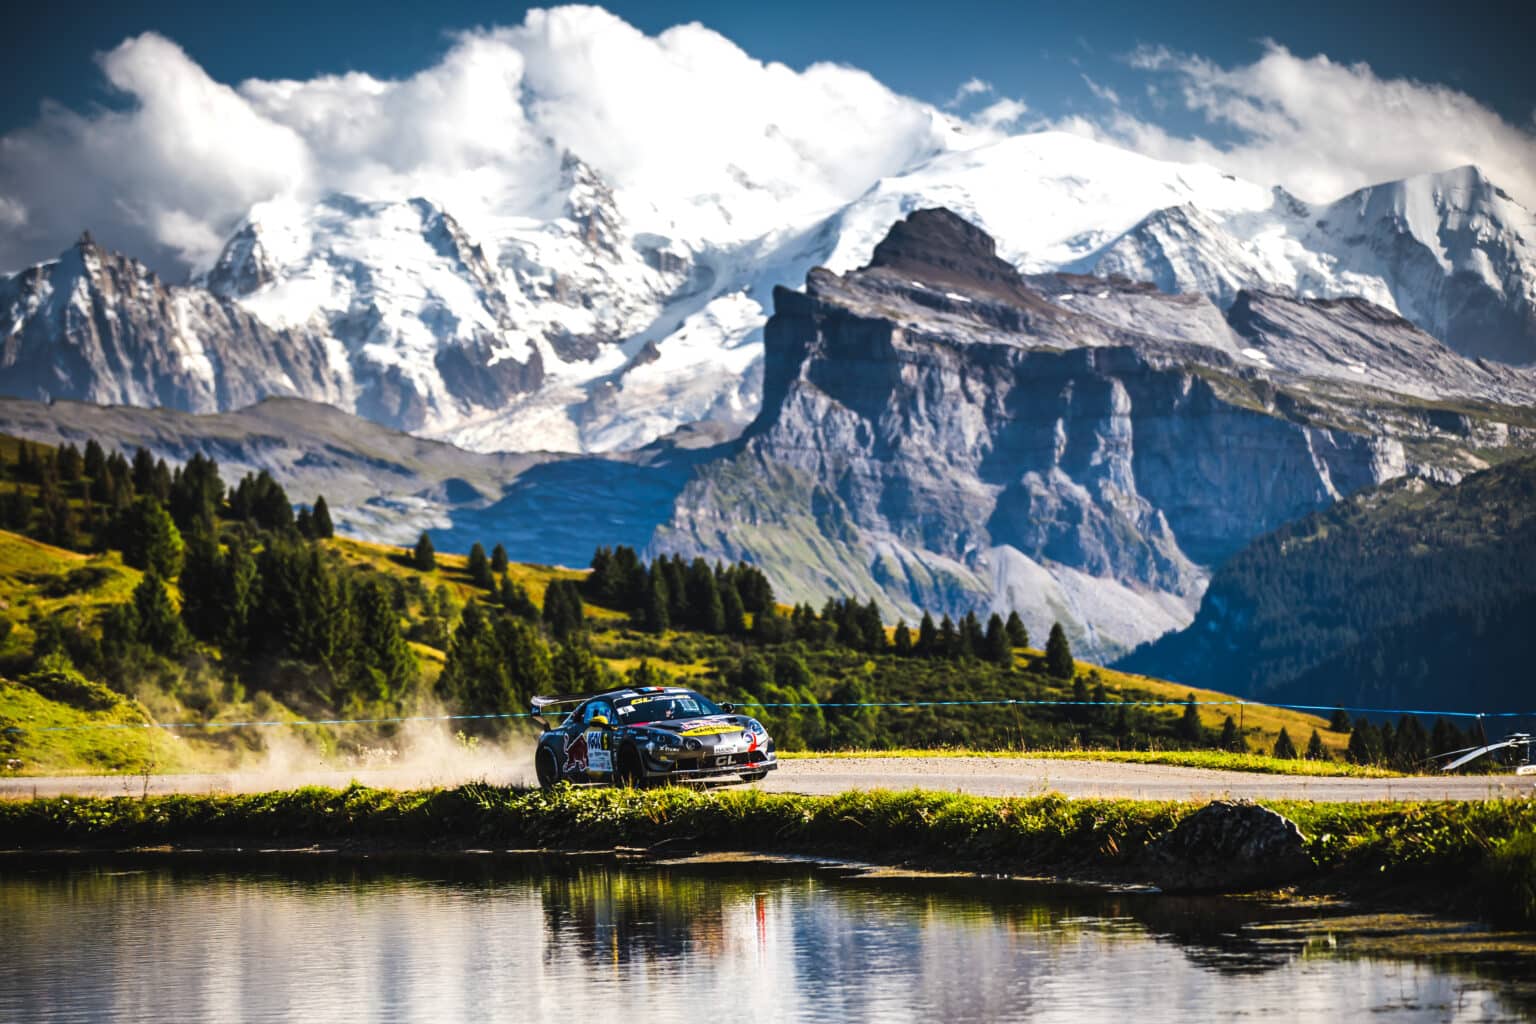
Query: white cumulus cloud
(1319, 127)
(712, 139)
(700, 140)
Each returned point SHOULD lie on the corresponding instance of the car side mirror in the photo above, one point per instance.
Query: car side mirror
(601, 720)
(728, 708)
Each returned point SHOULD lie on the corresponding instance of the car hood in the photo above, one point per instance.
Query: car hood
(713, 734)
(703, 728)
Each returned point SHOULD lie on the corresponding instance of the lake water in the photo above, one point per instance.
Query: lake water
(568, 939)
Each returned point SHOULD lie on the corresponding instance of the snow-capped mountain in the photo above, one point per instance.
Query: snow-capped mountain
(598, 319)
(98, 326)
(1451, 252)
(620, 335)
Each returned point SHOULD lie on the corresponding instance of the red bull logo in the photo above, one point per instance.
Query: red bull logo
(576, 756)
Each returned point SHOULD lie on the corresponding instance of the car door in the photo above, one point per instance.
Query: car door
(598, 735)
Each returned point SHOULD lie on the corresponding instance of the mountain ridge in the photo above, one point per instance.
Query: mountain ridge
(585, 323)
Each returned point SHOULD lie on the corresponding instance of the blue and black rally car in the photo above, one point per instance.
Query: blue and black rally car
(640, 735)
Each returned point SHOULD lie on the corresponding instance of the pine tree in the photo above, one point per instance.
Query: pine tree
(67, 463)
(927, 638)
(903, 640)
(655, 613)
(480, 567)
(1189, 728)
(734, 614)
(143, 471)
(1339, 722)
(575, 668)
(201, 591)
(1079, 712)
(150, 540)
(305, 524)
(1232, 740)
(1058, 654)
(197, 492)
(514, 598)
(1412, 747)
(94, 462)
(320, 515)
(769, 627)
(499, 560)
(159, 626)
(949, 639)
(385, 665)
(1284, 748)
(239, 590)
(972, 639)
(999, 650)
(563, 612)
(873, 627)
(707, 614)
(424, 557)
(1316, 751)
(1017, 634)
(1364, 743)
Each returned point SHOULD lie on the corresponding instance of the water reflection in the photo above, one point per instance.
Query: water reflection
(482, 939)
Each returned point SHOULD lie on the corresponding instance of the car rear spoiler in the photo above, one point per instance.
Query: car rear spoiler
(540, 703)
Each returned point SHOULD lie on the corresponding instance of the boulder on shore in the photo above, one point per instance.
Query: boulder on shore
(1229, 845)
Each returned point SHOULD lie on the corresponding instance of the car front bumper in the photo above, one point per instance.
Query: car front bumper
(687, 764)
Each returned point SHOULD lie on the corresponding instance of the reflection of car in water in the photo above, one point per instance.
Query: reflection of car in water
(646, 734)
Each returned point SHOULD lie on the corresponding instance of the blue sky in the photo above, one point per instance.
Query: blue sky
(1034, 51)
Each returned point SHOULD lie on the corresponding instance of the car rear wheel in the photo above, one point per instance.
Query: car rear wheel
(545, 768)
(631, 772)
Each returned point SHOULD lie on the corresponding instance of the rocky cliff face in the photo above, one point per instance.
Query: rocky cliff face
(941, 433)
(97, 326)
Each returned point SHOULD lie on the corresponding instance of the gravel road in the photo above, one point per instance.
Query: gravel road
(987, 776)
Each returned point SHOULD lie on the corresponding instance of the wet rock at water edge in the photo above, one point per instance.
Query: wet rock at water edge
(1229, 845)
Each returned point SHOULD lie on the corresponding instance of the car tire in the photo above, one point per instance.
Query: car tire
(631, 770)
(754, 776)
(545, 767)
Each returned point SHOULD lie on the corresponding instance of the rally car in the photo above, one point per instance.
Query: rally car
(643, 735)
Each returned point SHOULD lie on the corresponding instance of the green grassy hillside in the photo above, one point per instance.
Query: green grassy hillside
(193, 601)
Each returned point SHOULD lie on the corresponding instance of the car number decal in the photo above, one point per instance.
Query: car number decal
(599, 756)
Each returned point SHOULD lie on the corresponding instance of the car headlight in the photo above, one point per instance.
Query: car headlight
(663, 739)
(756, 727)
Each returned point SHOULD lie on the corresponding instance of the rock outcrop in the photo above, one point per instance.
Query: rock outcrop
(1229, 845)
(941, 433)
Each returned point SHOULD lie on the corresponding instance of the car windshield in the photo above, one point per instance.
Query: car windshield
(663, 706)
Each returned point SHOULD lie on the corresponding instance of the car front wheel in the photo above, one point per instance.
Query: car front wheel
(631, 772)
(545, 768)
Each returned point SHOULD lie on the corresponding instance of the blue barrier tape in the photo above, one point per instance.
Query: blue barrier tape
(1326, 708)
(266, 724)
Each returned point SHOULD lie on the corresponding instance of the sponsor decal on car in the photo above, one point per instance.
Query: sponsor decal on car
(575, 756)
(710, 728)
(599, 750)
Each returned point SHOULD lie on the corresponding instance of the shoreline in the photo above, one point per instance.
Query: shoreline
(1466, 859)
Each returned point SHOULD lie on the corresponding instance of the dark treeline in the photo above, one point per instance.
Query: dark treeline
(281, 612)
(671, 593)
(239, 593)
(1415, 595)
